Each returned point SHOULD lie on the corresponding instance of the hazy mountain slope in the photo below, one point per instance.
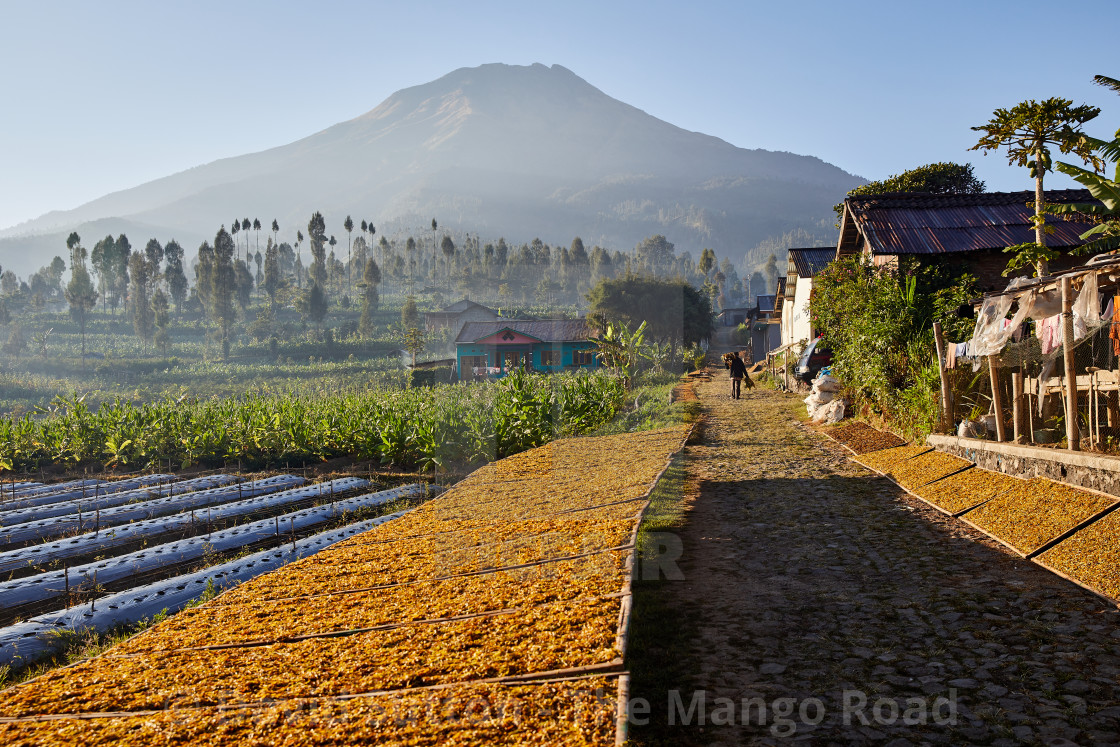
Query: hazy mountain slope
(499, 150)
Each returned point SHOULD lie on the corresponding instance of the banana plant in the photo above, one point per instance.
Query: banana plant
(1105, 235)
(619, 349)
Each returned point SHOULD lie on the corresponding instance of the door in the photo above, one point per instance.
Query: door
(510, 359)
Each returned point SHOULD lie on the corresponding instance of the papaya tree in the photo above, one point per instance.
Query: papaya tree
(1028, 130)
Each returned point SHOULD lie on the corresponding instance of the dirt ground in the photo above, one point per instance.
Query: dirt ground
(810, 583)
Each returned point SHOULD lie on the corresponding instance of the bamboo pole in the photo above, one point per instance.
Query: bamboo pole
(1073, 433)
(946, 392)
(1017, 404)
(997, 397)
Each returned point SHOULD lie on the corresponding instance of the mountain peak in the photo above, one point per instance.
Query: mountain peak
(503, 150)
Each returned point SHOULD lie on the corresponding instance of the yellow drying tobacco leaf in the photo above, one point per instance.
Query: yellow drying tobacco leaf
(885, 459)
(927, 467)
(862, 438)
(577, 633)
(443, 555)
(596, 576)
(1092, 556)
(1036, 512)
(574, 713)
(967, 489)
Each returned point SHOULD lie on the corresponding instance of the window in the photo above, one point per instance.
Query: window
(583, 357)
(472, 361)
(550, 357)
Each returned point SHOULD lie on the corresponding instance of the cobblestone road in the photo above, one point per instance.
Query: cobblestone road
(807, 577)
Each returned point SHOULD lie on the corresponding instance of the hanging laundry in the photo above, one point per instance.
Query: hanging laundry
(1050, 333)
(950, 356)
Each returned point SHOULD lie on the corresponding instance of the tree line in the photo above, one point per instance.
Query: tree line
(233, 272)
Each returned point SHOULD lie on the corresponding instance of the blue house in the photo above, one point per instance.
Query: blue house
(490, 349)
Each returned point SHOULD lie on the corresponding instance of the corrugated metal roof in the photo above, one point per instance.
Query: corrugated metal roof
(920, 223)
(461, 306)
(782, 285)
(547, 330)
(809, 262)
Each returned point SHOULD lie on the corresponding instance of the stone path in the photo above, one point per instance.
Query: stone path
(812, 583)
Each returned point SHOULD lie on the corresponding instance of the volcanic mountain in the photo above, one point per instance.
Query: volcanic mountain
(496, 150)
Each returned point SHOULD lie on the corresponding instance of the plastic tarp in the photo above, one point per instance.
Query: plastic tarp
(993, 330)
(143, 509)
(27, 641)
(51, 585)
(88, 489)
(95, 542)
(104, 501)
(1086, 308)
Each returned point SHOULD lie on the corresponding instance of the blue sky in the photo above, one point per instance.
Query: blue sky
(101, 96)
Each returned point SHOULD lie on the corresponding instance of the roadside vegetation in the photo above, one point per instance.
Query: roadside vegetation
(879, 323)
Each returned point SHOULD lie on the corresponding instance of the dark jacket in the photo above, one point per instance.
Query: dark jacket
(738, 368)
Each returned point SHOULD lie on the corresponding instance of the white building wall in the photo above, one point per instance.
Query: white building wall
(787, 321)
(800, 324)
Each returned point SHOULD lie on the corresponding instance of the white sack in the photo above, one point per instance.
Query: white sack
(833, 412)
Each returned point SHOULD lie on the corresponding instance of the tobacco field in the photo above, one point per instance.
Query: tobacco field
(425, 428)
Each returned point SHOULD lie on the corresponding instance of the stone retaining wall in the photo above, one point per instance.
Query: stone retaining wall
(1071, 467)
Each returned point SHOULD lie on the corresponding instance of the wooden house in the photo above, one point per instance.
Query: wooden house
(803, 265)
(970, 231)
(492, 349)
(734, 317)
(766, 330)
(453, 317)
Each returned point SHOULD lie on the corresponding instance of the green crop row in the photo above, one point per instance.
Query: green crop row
(428, 428)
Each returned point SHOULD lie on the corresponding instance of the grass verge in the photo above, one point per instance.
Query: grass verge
(661, 629)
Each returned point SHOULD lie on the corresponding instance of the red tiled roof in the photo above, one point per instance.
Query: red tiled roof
(547, 330)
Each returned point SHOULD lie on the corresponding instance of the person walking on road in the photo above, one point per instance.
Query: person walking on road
(738, 371)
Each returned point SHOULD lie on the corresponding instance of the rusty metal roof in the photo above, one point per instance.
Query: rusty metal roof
(920, 223)
(809, 262)
(547, 330)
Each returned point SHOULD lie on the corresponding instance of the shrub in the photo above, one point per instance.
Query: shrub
(878, 321)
